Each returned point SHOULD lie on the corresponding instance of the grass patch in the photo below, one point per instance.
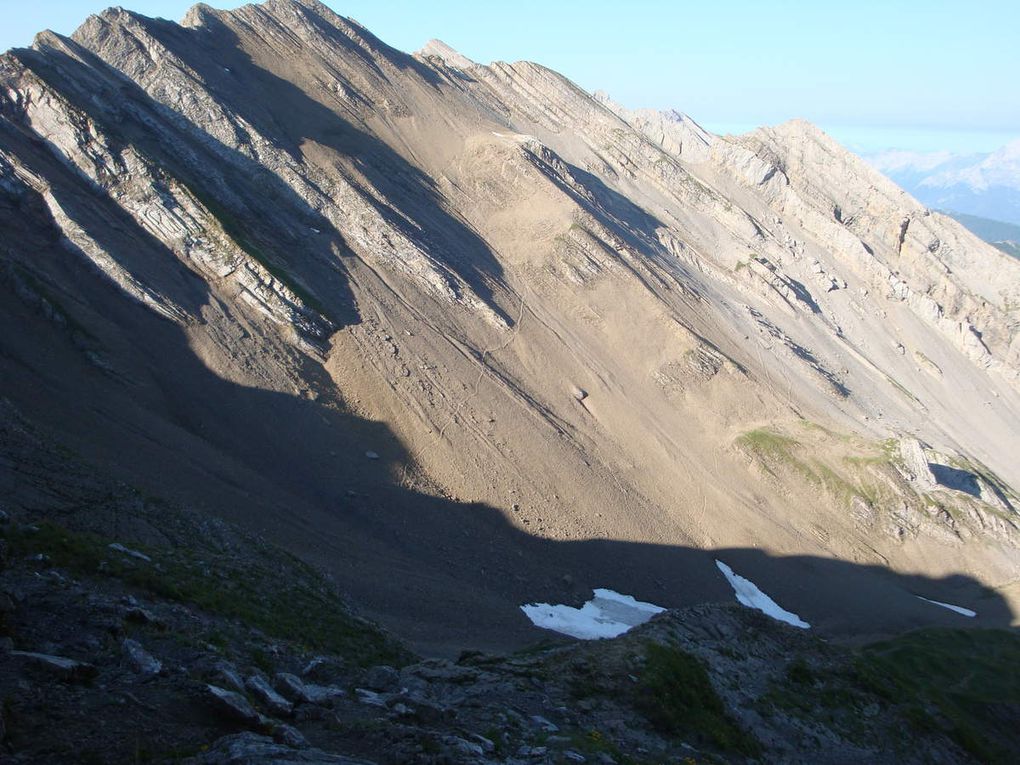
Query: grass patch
(963, 683)
(274, 592)
(774, 450)
(885, 453)
(768, 443)
(676, 695)
(594, 743)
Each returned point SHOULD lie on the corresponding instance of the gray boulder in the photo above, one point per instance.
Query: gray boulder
(274, 702)
(233, 706)
(381, 678)
(142, 661)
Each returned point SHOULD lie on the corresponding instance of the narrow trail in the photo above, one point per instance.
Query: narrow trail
(482, 368)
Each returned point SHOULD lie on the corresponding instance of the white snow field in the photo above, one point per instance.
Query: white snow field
(749, 595)
(959, 609)
(606, 615)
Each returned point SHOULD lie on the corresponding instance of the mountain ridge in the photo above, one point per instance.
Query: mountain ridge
(510, 295)
(302, 334)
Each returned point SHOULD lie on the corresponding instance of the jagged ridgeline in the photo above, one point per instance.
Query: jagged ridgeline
(333, 336)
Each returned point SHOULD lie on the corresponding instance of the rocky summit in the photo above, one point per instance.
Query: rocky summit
(320, 360)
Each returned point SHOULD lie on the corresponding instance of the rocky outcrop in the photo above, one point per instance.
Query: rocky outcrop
(719, 681)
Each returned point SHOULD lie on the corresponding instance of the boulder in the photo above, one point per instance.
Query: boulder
(291, 687)
(233, 706)
(371, 698)
(323, 669)
(142, 661)
(118, 547)
(289, 736)
(381, 678)
(228, 675)
(294, 689)
(264, 692)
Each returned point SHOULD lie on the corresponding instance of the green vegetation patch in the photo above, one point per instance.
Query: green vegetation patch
(676, 695)
(275, 592)
(964, 683)
(768, 443)
(775, 451)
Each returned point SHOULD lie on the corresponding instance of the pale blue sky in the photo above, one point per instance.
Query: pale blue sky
(923, 75)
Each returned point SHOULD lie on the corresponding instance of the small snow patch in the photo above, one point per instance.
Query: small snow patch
(749, 595)
(371, 455)
(607, 615)
(959, 609)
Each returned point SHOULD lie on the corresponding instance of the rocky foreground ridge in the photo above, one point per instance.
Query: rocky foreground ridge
(460, 337)
(187, 641)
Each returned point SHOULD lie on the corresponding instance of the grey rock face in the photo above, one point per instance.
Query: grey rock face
(916, 464)
(274, 702)
(233, 705)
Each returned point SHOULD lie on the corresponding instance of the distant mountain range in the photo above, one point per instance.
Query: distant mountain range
(985, 185)
(1005, 236)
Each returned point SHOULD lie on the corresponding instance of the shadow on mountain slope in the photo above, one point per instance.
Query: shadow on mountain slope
(140, 404)
(442, 574)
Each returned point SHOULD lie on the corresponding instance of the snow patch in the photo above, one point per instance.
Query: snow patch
(959, 609)
(749, 595)
(607, 615)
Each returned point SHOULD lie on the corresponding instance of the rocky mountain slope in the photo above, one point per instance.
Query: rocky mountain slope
(466, 337)
(137, 631)
(1005, 236)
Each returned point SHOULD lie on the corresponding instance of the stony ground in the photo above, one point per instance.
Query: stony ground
(115, 651)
